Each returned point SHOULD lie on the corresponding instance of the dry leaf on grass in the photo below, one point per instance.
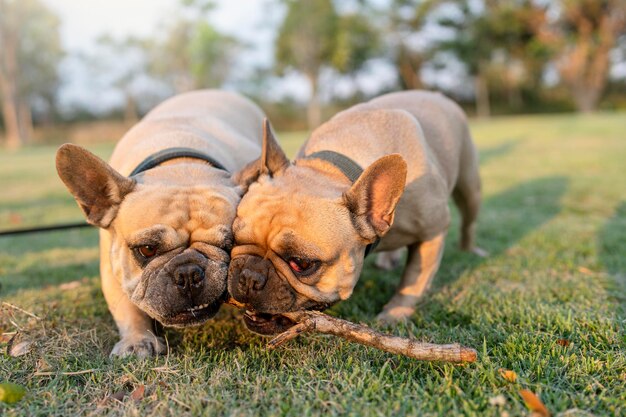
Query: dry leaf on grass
(563, 342)
(118, 396)
(507, 374)
(138, 393)
(585, 270)
(533, 403)
(18, 347)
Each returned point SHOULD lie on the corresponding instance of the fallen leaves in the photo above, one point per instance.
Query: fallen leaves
(507, 374)
(533, 403)
(531, 400)
(563, 342)
(11, 393)
(17, 346)
(138, 393)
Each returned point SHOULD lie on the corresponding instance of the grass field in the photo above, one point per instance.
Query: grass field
(548, 304)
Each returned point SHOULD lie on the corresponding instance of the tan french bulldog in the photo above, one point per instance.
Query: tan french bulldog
(165, 206)
(302, 228)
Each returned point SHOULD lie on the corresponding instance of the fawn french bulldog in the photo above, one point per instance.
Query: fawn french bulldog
(165, 205)
(381, 171)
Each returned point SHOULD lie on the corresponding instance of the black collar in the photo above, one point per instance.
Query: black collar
(164, 155)
(350, 169)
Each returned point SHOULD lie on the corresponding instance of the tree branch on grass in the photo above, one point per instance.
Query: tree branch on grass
(314, 321)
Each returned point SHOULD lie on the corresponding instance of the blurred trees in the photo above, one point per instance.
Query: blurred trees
(406, 18)
(315, 36)
(30, 52)
(587, 32)
(507, 37)
(192, 53)
(506, 56)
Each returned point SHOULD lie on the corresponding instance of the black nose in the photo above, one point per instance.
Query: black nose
(189, 277)
(252, 280)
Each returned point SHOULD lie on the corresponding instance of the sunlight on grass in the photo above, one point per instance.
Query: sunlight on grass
(549, 303)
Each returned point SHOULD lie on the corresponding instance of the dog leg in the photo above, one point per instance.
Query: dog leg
(422, 264)
(388, 261)
(467, 197)
(135, 327)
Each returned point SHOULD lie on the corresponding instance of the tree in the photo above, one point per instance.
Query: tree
(193, 54)
(121, 63)
(588, 31)
(314, 36)
(510, 31)
(405, 19)
(29, 53)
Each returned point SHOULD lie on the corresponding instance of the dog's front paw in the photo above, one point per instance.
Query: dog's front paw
(143, 346)
(395, 315)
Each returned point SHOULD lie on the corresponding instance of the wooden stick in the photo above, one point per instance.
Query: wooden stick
(309, 321)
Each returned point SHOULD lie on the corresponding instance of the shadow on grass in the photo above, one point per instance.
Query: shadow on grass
(485, 155)
(504, 220)
(38, 260)
(612, 252)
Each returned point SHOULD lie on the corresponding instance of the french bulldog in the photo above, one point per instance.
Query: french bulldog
(302, 228)
(165, 205)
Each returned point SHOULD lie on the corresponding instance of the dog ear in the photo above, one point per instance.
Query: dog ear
(272, 160)
(372, 199)
(97, 188)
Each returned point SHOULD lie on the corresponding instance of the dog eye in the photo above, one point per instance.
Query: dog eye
(303, 267)
(147, 251)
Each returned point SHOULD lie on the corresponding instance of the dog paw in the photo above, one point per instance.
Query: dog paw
(395, 315)
(141, 347)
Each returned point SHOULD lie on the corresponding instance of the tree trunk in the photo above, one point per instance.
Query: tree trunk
(314, 110)
(483, 107)
(10, 116)
(408, 68)
(131, 114)
(25, 117)
(9, 76)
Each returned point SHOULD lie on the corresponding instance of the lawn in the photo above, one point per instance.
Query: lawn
(549, 303)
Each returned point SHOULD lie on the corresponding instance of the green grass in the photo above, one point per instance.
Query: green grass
(554, 221)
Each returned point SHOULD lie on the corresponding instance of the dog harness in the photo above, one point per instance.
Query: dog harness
(351, 170)
(165, 155)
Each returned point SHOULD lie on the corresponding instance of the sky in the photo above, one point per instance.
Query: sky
(82, 22)
(252, 21)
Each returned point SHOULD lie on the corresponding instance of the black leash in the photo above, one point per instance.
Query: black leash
(64, 226)
(350, 169)
(150, 162)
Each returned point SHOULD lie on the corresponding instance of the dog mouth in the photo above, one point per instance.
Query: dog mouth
(265, 323)
(193, 316)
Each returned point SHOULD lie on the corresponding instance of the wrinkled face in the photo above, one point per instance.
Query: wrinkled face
(170, 245)
(296, 248)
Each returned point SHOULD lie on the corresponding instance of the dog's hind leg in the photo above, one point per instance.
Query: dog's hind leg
(467, 197)
(422, 264)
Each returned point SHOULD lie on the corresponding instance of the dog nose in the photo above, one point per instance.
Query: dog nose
(189, 277)
(253, 281)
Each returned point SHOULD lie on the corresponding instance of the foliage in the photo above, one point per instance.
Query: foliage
(192, 53)
(314, 36)
(587, 32)
(30, 51)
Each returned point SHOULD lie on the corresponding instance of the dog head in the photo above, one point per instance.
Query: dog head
(300, 235)
(169, 241)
